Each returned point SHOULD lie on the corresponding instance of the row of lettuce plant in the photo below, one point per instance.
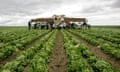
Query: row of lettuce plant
(108, 32)
(22, 60)
(10, 36)
(106, 47)
(11, 47)
(112, 41)
(94, 64)
(109, 36)
(40, 61)
(76, 62)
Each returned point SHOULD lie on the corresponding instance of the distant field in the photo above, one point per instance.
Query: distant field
(108, 28)
(12, 28)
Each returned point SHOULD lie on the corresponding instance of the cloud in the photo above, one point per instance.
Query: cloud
(92, 9)
(18, 12)
(26, 7)
(116, 4)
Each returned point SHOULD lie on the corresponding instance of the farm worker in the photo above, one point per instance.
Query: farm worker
(64, 25)
(29, 25)
(84, 25)
(89, 26)
(51, 24)
(69, 25)
(46, 25)
(35, 26)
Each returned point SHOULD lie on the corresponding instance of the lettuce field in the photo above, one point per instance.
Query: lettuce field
(65, 50)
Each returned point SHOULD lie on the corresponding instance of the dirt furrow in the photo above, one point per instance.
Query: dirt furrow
(98, 52)
(1, 43)
(58, 58)
(14, 55)
(26, 68)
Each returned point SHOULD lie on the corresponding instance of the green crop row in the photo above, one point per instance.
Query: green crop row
(105, 46)
(13, 46)
(100, 35)
(78, 53)
(40, 61)
(114, 33)
(76, 63)
(9, 36)
(18, 64)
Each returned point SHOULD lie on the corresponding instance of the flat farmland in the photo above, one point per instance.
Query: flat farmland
(65, 50)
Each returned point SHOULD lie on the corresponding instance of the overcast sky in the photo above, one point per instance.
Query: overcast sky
(98, 12)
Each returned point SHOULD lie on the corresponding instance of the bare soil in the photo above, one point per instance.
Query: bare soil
(99, 53)
(58, 58)
(26, 68)
(1, 43)
(15, 54)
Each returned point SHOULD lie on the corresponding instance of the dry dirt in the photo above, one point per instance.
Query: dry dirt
(26, 68)
(58, 58)
(99, 53)
(1, 43)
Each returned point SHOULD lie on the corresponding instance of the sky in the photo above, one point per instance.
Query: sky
(97, 12)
